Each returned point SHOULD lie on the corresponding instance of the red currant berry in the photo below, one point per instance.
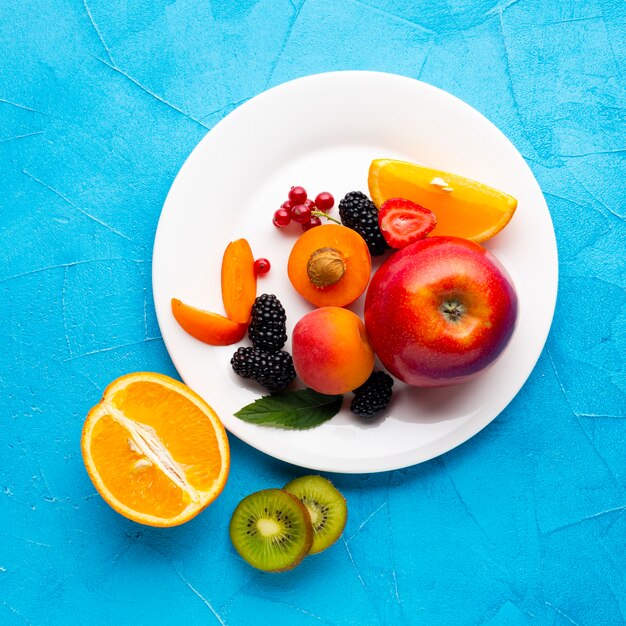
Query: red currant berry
(286, 205)
(297, 195)
(282, 217)
(324, 201)
(310, 204)
(312, 223)
(261, 266)
(301, 213)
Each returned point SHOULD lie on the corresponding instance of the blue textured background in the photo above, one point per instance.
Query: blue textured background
(100, 103)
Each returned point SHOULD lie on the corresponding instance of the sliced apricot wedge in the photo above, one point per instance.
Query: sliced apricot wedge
(208, 327)
(464, 208)
(238, 281)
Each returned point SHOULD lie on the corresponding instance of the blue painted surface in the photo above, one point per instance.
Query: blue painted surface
(100, 103)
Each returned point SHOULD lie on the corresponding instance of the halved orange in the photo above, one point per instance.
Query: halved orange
(155, 450)
(464, 207)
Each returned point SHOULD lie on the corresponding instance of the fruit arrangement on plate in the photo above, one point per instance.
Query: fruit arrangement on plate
(439, 310)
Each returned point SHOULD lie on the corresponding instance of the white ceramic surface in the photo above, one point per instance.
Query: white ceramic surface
(322, 132)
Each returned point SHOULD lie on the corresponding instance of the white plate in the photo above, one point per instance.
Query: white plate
(322, 132)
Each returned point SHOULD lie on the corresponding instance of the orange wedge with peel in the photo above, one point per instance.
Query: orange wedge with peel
(155, 450)
(464, 207)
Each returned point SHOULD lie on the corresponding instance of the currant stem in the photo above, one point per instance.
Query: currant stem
(328, 217)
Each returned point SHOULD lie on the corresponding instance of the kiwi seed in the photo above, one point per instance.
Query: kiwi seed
(326, 506)
(271, 530)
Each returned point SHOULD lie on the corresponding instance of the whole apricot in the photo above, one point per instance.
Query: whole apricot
(331, 351)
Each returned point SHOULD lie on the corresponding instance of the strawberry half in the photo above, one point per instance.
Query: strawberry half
(402, 222)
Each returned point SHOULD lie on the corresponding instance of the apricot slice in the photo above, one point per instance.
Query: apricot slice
(330, 265)
(238, 281)
(464, 207)
(208, 327)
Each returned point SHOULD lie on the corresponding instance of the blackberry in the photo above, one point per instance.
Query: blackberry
(267, 329)
(373, 396)
(272, 370)
(359, 213)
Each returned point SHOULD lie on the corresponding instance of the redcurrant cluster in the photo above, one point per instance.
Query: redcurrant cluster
(299, 208)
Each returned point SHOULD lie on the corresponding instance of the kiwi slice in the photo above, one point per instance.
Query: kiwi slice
(272, 530)
(326, 506)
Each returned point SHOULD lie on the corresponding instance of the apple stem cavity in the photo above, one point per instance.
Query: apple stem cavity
(453, 310)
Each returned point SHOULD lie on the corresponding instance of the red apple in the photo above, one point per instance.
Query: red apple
(440, 311)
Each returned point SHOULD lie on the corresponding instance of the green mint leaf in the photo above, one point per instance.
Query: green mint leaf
(297, 410)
